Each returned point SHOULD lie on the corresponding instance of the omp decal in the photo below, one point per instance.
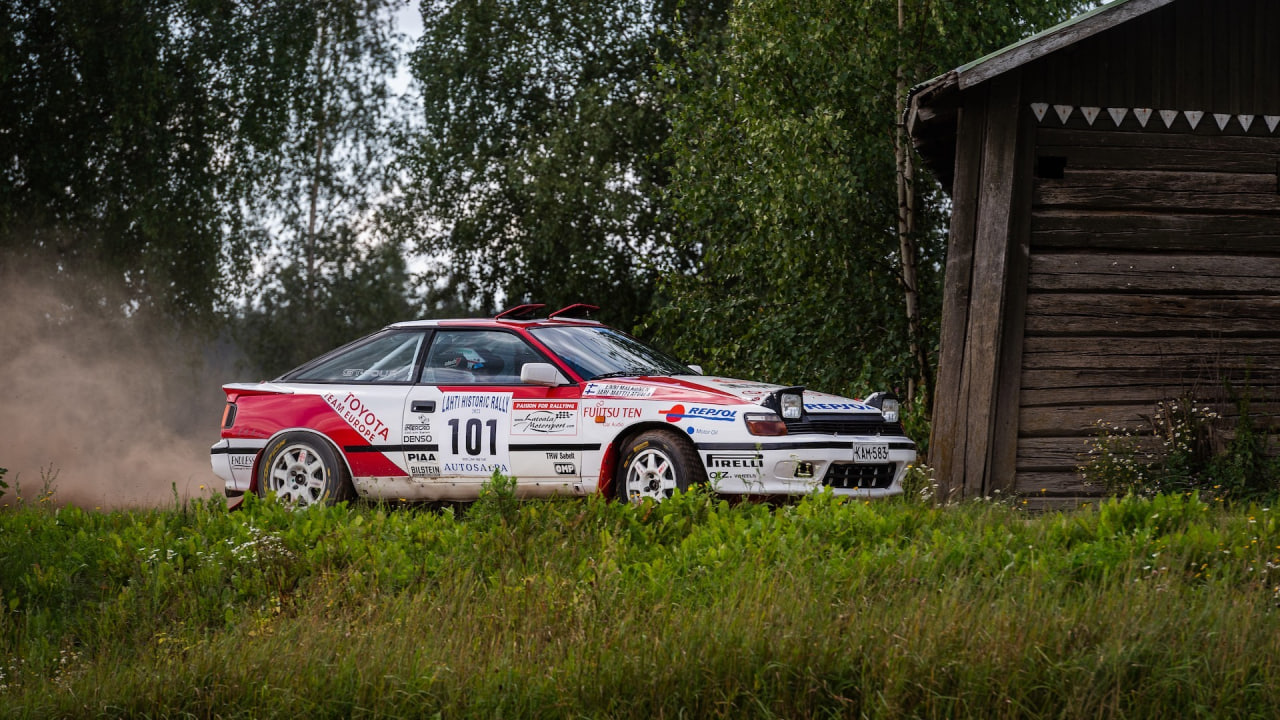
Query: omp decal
(361, 419)
(678, 413)
(617, 390)
(566, 469)
(544, 417)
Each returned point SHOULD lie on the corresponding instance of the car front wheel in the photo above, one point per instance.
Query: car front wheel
(655, 464)
(302, 471)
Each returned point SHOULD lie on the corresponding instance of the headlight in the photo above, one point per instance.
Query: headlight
(764, 424)
(792, 405)
(889, 408)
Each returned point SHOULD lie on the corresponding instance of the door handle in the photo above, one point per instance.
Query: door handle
(423, 406)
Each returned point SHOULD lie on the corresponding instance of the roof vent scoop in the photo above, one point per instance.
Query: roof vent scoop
(520, 312)
(578, 310)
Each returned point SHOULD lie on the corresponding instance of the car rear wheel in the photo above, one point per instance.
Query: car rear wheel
(302, 470)
(655, 464)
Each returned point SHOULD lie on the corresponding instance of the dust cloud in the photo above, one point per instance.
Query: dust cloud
(99, 409)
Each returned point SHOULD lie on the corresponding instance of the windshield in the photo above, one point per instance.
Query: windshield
(600, 352)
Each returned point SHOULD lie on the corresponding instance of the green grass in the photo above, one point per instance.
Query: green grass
(1140, 609)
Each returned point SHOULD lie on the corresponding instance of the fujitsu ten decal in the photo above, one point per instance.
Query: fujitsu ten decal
(359, 416)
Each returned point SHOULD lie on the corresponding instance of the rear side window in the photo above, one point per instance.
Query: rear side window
(386, 358)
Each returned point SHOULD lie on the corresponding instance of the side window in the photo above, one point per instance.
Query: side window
(482, 357)
(385, 358)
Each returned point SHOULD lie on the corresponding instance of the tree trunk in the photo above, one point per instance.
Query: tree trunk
(919, 382)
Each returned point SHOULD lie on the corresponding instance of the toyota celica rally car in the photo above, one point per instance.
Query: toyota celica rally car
(429, 410)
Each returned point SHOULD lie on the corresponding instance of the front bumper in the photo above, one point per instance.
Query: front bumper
(855, 467)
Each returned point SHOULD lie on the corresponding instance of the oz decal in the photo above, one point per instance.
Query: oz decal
(474, 434)
(544, 417)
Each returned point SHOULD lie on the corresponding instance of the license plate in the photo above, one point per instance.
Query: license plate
(877, 453)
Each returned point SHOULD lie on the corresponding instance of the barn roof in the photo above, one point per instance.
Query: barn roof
(932, 109)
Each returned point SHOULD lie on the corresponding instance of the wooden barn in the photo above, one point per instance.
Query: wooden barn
(1115, 233)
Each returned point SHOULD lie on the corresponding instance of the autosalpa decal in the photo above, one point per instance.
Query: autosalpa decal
(544, 417)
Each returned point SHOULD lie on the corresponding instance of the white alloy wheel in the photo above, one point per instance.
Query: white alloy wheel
(302, 471)
(656, 464)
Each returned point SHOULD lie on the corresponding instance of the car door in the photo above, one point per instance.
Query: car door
(469, 415)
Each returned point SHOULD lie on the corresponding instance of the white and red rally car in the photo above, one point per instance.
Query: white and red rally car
(428, 410)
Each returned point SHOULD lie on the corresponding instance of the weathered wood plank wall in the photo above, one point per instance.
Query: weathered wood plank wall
(1096, 268)
(1153, 276)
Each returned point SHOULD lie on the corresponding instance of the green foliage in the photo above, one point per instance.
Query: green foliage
(601, 609)
(784, 186)
(497, 499)
(330, 273)
(538, 173)
(4, 486)
(1186, 447)
(130, 134)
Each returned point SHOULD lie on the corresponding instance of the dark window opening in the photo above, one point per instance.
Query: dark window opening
(1051, 167)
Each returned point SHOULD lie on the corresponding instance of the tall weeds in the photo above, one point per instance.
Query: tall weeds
(693, 608)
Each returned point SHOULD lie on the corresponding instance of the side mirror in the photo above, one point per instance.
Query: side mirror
(697, 369)
(541, 374)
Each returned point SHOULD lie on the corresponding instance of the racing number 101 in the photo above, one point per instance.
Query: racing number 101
(474, 437)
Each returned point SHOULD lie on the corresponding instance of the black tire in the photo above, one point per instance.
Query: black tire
(303, 470)
(655, 464)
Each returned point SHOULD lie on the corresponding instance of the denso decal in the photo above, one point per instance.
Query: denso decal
(361, 419)
(836, 406)
(617, 390)
(678, 413)
(544, 417)
(418, 433)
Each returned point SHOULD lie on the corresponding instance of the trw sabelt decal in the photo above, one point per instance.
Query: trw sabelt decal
(544, 418)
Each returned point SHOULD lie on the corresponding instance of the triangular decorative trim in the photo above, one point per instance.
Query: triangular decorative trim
(1246, 121)
(1090, 114)
(1222, 119)
(1064, 112)
(1143, 115)
(1272, 121)
(1193, 117)
(1168, 116)
(1117, 115)
(1040, 110)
